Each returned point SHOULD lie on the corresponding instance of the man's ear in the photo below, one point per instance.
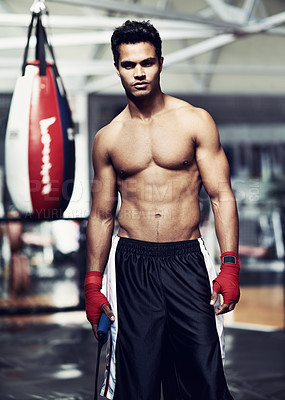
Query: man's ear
(161, 63)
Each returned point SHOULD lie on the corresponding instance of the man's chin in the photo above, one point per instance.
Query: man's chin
(140, 94)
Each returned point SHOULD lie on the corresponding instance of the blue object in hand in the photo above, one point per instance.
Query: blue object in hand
(102, 330)
(102, 335)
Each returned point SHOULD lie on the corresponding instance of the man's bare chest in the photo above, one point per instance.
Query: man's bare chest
(166, 147)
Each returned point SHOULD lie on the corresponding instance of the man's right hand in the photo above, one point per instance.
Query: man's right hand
(106, 309)
(95, 300)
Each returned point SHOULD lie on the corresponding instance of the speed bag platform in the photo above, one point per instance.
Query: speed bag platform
(39, 145)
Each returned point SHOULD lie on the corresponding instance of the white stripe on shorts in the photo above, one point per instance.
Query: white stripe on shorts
(109, 290)
(212, 275)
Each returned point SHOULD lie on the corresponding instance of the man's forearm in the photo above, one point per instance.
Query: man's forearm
(226, 224)
(98, 242)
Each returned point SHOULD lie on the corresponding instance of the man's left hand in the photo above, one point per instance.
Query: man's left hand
(224, 308)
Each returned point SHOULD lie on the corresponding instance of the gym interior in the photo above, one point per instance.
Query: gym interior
(226, 56)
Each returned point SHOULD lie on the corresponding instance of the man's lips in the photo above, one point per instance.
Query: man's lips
(140, 84)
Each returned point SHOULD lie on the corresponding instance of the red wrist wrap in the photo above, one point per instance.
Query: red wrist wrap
(94, 299)
(227, 282)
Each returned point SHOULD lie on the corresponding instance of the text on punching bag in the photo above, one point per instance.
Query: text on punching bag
(46, 164)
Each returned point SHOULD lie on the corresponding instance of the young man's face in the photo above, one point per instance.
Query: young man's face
(139, 69)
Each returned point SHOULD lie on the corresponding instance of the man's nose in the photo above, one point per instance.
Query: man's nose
(139, 72)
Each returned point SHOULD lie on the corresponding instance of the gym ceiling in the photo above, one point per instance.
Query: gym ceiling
(210, 46)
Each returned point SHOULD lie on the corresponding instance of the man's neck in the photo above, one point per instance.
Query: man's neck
(146, 108)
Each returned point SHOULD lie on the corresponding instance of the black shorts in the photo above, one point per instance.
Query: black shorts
(165, 333)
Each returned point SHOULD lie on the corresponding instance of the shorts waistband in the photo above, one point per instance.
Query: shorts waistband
(158, 249)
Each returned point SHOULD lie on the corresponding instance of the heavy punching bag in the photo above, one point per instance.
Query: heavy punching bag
(39, 143)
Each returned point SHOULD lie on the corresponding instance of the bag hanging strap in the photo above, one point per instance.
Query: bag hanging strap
(57, 75)
(26, 51)
(42, 40)
(40, 46)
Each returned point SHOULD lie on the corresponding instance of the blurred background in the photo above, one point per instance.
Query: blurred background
(225, 56)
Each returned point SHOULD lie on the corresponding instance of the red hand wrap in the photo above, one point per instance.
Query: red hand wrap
(94, 299)
(227, 282)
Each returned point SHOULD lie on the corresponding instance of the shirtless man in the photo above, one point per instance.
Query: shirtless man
(157, 153)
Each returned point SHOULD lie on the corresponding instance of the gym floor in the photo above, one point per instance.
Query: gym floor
(54, 357)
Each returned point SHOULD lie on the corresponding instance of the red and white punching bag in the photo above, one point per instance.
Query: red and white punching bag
(39, 143)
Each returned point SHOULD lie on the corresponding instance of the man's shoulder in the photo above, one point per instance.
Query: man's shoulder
(189, 112)
(185, 107)
(109, 131)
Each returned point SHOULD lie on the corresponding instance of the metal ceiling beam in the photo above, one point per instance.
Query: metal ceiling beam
(222, 40)
(103, 37)
(249, 6)
(91, 22)
(227, 12)
(71, 39)
(252, 26)
(136, 9)
(231, 13)
(265, 24)
(198, 48)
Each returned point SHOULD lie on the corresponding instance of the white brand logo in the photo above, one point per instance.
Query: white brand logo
(46, 165)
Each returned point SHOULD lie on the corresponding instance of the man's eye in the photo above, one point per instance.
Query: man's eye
(128, 65)
(147, 64)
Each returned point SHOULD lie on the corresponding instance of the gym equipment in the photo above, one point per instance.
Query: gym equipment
(39, 143)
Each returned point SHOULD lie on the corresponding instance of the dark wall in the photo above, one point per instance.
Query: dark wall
(225, 109)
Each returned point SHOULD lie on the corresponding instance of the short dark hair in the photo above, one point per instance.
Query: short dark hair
(132, 32)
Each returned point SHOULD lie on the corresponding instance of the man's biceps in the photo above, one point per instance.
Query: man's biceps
(104, 190)
(105, 176)
(209, 161)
